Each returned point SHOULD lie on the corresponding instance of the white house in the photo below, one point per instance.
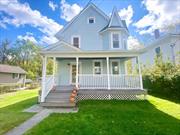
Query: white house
(167, 45)
(91, 56)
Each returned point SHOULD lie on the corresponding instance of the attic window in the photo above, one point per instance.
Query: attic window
(91, 20)
(76, 41)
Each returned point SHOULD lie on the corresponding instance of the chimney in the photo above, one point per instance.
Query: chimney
(156, 33)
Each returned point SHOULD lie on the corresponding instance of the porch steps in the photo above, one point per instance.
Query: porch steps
(58, 99)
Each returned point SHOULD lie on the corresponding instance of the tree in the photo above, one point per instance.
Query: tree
(4, 51)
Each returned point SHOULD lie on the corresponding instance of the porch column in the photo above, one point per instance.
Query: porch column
(43, 78)
(54, 69)
(139, 70)
(107, 60)
(77, 69)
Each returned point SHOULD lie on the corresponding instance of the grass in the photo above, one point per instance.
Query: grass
(11, 107)
(153, 117)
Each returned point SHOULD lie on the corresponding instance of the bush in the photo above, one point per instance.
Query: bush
(9, 88)
(163, 79)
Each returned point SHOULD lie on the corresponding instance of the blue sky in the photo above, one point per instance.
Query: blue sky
(39, 20)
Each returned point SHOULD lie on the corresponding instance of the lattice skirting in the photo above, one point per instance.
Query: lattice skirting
(111, 96)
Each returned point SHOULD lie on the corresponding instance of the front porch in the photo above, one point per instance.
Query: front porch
(107, 80)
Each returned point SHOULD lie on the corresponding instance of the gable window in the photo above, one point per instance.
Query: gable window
(115, 40)
(158, 51)
(76, 41)
(91, 20)
(115, 67)
(97, 67)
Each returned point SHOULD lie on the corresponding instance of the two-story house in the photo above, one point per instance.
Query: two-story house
(91, 55)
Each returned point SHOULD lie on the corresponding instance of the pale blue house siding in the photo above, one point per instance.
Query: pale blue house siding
(90, 39)
(86, 67)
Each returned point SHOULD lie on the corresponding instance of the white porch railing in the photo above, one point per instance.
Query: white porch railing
(49, 83)
(89, 81)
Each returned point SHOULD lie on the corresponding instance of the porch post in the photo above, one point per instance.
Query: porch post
(77, 69)
(140, 75)
(54, 69)
(43, 78)
(107, 60)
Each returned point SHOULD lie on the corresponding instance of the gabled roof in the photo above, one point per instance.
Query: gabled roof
(90, 4)
(11, 69)
(61, 46)
(115, 22)
(115, 19)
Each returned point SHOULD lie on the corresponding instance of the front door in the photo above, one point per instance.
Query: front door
(73, 74)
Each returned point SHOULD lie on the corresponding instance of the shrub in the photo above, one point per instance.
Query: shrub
(163, 78)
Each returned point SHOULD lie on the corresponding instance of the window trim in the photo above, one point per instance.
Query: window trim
(112, 47)
(91, 17)
(76, 36)
(118, 61)
(101, 66)
(13, 76)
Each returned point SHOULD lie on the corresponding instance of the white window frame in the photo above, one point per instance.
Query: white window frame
(76, 36)
(92, 17)
(101, 66)
(112, 47)
(118, 61)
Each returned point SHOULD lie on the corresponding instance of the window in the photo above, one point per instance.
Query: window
(115, 40)
(15, 76)
(76, 42)
(158, 51)
(115, 67)
(91, 20)
(97, 67)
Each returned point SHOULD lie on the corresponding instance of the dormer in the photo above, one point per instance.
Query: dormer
(117, 32)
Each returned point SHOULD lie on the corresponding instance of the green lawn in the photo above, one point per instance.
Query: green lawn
(11, 106)
(153, 117)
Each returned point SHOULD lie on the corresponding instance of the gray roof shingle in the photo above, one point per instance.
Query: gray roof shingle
(11, 69)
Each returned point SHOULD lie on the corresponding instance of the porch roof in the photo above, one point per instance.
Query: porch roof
(87, 54)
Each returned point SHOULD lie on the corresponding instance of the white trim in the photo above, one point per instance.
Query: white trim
(91, 17)
(76, 36)
(111, 40)
(118, 61)
(101, 66)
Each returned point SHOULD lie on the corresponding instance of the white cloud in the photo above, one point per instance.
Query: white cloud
(28, 36)
(161, 14)
(127, 14)
(22, 14)
(134, 44)
(52, 5)
(48, 39)
(69, 11)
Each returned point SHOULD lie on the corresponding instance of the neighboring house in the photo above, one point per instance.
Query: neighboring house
(168, 46)
(12, 75)
(91, 55)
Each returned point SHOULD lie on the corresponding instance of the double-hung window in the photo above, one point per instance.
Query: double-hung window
(97, 67)
(115, 67)
(76, 41)
(115, 40)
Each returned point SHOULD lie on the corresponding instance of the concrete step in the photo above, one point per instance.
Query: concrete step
(63, 96)
(57, 99)
(57, 105)
(61, 91)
